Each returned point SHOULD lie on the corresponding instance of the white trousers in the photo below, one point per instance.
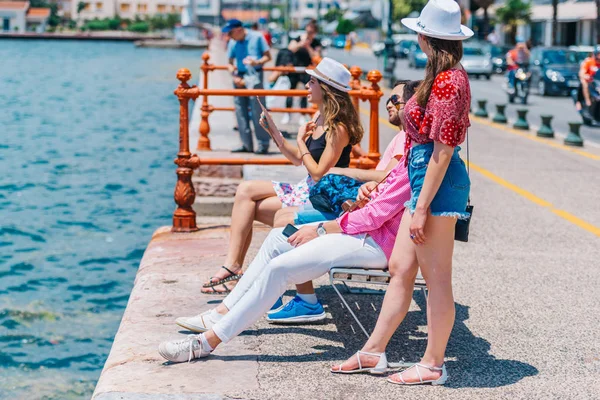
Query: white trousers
(278, 264)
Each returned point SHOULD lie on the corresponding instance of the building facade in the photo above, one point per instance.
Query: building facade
(125, 8)
(19, 17)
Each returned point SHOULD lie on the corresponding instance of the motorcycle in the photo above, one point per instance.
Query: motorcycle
(522, 82)
(591, 114)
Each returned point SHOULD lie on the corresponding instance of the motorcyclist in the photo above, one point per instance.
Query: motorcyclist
(587, 70)
(514, 58)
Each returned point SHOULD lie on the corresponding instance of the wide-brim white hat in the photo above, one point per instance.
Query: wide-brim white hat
(332, 73)
(439, 19)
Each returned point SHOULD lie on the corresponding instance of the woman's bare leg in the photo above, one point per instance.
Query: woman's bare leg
(248, 194)
(435, 260)
(403, 270)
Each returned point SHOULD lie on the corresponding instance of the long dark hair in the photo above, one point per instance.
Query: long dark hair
(445, 54)
(339, 110)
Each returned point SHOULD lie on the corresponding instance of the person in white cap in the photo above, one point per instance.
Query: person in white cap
(436, 122)
(323, 143)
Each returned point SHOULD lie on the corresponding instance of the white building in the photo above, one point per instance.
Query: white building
(576, 23)
(17, 16)
(126, 8)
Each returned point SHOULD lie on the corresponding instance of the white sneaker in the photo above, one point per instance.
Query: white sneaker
(286, 118)
(199, 323)
(183, 350)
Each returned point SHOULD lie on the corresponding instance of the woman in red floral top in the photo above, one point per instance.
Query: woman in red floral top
(436, 122)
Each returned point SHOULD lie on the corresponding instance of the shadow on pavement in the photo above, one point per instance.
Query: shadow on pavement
(470, 363)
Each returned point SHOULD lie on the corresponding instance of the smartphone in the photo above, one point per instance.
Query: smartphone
(289, 230)
(278, 139)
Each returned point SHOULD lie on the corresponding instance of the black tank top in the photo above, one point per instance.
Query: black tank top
(317, 146)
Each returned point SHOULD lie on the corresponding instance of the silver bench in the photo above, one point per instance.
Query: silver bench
(363, 276)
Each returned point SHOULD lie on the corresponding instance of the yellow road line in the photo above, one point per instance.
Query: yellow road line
(541, 202)
(547, 142)
(522, 192)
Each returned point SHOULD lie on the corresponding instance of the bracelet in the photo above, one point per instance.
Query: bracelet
(303, 154)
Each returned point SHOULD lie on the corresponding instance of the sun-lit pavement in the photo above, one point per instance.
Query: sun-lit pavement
(526, 292)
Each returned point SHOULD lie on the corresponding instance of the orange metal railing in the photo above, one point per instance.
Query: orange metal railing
(184, 217)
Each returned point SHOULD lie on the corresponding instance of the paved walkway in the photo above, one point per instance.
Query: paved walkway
(526, 289)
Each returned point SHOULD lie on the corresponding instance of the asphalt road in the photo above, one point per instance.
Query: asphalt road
(561, 108)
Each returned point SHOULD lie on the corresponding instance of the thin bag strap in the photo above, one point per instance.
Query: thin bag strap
(468, 167)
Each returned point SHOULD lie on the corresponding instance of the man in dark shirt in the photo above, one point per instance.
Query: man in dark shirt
(309, 47)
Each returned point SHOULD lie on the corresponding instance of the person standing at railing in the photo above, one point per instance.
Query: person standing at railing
(323, 143)
(247, 52)
(308, 48)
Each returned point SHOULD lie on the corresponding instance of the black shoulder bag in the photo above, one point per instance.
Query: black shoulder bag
(461, 231)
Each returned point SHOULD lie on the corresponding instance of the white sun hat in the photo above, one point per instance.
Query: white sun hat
(439, 19)
(332, 73)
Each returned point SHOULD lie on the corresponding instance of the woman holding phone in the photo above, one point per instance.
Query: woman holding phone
(324, 142)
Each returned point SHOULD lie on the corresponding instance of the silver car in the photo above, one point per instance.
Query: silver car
(477, 59)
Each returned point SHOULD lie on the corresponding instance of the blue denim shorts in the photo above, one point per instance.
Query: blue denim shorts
(307, 214)
(453, 194)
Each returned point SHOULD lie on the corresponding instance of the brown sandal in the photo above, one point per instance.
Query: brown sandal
(232, 277)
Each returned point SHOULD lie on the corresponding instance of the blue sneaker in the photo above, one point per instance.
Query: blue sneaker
(277, 306)
(297, 311)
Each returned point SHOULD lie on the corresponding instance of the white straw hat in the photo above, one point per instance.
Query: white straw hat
(439, 19)
(332, 73)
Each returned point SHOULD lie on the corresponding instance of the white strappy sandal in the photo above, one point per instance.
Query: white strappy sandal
(380, 368)
(440, 381)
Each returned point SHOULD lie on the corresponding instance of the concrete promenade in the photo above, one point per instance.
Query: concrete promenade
(526, 292)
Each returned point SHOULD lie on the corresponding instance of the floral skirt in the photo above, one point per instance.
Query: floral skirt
(293, 195)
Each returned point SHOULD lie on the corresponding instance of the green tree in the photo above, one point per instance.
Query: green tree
(141, 27)
(333, 14)
(404, 7)
(345, 26)
(80, 7)
(172, 20)
(512, 14)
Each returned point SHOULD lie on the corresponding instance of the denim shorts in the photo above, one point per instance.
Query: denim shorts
(308, 214)
(453, 194)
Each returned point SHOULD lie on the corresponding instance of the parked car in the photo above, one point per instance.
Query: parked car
(416, 57)
(403, 47)
(499, 58)
(554, 70)
(583, 52)
(477, 59)
(339, 41)
(378, 48)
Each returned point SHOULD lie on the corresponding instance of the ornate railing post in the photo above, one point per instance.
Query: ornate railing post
(355, 85)
(184, 217)
(203, 140)
(374, 77)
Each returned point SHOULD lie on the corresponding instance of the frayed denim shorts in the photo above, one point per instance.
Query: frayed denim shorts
(453, 194)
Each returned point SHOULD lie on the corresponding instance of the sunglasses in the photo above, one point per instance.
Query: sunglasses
(395, 100)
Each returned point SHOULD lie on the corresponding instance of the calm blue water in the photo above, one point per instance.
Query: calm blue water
(88, 135)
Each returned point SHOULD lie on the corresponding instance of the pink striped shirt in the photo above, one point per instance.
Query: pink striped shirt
(380, 217)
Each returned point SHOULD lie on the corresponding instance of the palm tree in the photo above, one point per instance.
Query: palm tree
(514, 13)
(485, 4)
(554, 22)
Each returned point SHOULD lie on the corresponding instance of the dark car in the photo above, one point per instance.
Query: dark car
(499, 58)
(416, 57)
(554, 70)
(403, 47)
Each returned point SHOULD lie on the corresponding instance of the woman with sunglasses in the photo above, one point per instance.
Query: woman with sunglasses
(437, 118)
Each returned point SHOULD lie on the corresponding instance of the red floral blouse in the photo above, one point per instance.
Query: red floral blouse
(445, 119)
